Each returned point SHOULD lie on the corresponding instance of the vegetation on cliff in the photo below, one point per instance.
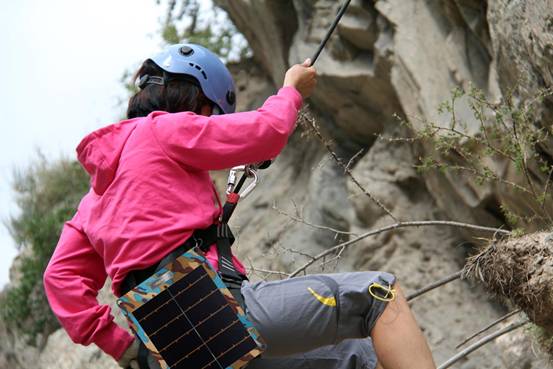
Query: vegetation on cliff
(47, 194)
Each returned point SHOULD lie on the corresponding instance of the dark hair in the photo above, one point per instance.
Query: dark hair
(180, 93)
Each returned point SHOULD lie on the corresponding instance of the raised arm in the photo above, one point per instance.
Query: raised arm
(72, 280)
(223, 141)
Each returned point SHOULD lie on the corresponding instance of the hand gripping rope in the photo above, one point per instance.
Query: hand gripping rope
(225, 238)
(250, 171)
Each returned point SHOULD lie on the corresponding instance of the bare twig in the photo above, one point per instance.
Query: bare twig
(481, 343)
(316, 226)
(493, 175)
(432, 286)
(546, 189)
(396, 139)
(493, 324)
(350, 162)
(392, 227)
(487, 140)
(305, 116)
(298, 252)
(267, 273)
(453, 114)
(476, 139)
(336, 258)
(522, 150)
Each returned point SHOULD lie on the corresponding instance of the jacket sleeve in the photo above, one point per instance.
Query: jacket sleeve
(72, 280)
(224, 141)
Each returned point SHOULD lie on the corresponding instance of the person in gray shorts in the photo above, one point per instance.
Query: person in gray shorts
(174, 136)
(357, 320)
(325, 321)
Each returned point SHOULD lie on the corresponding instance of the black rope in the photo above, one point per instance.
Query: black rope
(330, 31)
(240, 183)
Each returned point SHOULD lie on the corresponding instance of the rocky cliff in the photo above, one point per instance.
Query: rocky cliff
(394, 58)
(388, 59)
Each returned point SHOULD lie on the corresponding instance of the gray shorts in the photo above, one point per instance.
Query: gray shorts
(320, 321)
(347, 354)
(317, 321)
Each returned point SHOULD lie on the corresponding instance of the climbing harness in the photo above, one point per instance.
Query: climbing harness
(177, 274)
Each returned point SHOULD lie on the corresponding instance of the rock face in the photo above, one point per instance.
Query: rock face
(388, 58)
(403, 58)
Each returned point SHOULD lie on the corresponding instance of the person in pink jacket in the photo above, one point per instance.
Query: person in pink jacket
(151, 189)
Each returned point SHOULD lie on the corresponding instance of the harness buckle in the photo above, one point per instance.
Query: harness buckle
(198, 242)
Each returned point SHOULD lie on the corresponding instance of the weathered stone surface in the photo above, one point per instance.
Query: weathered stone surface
(516, 347)
(387, 57)
(417, 256)
(403, 57)
(522, 35)
(271, 26)
(58, 351)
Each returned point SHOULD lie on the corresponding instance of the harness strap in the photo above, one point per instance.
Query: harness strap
(142, 358)
(232, 278)
(202, 238)
(228, 208)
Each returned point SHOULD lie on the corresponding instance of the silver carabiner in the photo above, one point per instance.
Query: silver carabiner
(251, 186)
(231, 181)
(250, 171)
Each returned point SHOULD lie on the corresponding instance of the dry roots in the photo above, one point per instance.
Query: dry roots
(520, 269)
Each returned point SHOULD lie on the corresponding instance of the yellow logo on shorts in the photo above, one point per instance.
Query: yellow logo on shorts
(328, 301)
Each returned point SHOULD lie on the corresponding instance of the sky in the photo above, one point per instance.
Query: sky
(61, 64)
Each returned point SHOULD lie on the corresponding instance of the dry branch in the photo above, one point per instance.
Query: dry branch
(481, 343)
(312, 225)
(390, 227)
(267, 273)
(306, 118)
(491, 325)
(432, 286)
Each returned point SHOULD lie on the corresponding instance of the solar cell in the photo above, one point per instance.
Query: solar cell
(188, 319)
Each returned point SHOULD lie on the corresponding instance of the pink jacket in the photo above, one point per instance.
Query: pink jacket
(150, 190)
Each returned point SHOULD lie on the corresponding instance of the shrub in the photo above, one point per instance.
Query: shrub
(47, 194)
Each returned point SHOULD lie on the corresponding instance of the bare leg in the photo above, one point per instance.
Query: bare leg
(398, 340)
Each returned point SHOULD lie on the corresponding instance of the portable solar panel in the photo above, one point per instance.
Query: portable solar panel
(187, 317)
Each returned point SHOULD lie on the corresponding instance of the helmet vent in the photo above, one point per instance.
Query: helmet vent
(198, 68)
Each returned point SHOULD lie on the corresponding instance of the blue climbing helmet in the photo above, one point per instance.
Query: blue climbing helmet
(205, 67)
